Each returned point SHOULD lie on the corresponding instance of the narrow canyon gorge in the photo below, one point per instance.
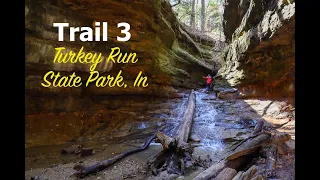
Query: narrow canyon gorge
(252, 62)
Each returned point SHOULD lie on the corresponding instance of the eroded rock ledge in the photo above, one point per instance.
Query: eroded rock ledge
(168, 55)
(260, 57)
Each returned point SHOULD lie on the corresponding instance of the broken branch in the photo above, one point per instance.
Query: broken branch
(83, 171)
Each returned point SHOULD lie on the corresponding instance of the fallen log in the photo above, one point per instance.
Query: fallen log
(249, 146)
(271, 153)
(166, 141)
(226, 174)
(256, 132)
(211, 171)
(260, 140)
(246, 175)
(237, 157)
(83, 171)
(177, 153)
(240, 155)
(185, 128)
(237, 177)
(250, 173)
(258, 177)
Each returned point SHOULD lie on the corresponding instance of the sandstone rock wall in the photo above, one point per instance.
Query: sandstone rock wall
(260, 57)
(167, 54)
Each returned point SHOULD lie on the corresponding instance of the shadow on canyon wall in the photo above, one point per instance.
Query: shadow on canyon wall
(260, 87)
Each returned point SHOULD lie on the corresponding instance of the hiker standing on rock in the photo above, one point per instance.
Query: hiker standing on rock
(209, 81)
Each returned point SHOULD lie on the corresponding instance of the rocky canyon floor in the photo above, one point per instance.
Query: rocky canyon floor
(218, 125)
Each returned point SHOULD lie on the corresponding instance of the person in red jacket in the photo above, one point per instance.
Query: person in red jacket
(209, 80)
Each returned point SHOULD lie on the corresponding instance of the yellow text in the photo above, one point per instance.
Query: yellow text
(61, 81)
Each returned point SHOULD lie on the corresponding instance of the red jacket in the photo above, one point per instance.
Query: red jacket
(208, 79)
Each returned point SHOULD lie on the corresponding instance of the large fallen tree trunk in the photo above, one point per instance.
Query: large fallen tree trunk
(174, 148)
(246, 175)
(83, 171)
(226, 174)
(244, 152)
(236, 159)
(176, 153)
(271, 158)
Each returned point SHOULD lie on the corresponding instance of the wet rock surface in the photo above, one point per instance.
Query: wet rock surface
(218, 124)
(104, 120)
(258, 62)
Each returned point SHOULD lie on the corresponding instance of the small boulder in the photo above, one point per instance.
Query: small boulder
(194, 138)
(229, 95)
(86, 152)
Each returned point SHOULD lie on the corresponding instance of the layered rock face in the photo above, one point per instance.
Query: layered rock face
(260, 56)
(167, 54)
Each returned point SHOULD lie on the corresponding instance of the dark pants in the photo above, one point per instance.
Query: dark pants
(207, 87)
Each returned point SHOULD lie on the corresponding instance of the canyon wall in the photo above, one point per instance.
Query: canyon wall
(168, 55)
(260, 57)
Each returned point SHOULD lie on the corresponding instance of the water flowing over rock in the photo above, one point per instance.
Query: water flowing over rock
(254, 59)
(169, 55)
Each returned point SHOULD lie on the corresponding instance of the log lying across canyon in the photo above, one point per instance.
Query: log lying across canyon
(176, 153)
(239, 155)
